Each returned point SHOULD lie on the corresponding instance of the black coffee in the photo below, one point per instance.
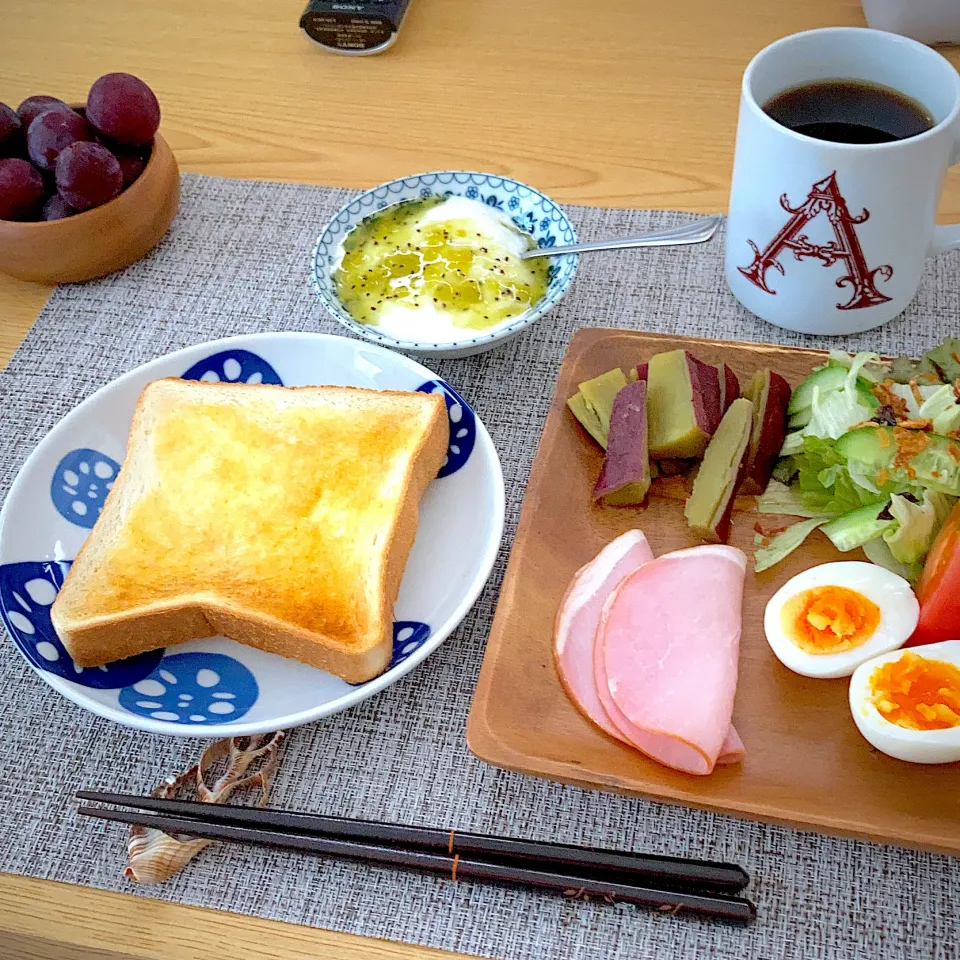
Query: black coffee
(849, 111)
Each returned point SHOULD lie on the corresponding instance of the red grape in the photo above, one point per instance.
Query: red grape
(32, 107)
(21, 190)
(11, 132)
(56, 208)
(123, 107)
(52, 132)
(131, 164)
(88, 175)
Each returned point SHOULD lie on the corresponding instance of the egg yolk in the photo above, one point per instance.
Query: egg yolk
(917, 693)
(829, 619)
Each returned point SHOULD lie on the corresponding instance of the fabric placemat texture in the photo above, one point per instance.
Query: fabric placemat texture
(236, 261)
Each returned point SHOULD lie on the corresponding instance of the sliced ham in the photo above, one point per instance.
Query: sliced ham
(579, 617)
(666, 657)
(732, 750)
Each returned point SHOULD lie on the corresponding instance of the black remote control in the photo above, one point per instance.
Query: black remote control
(354, 26)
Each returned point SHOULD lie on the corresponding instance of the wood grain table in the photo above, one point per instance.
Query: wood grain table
(608, 103)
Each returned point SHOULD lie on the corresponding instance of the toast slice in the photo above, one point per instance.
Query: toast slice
(280, 517)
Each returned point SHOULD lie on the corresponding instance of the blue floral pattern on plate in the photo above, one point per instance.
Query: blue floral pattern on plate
(194, 689)
(525, 221)
(27, 591)
(80, 485)
(287, 693)
(463, 426)
(233, 366)
(408, 637)
(530, 210)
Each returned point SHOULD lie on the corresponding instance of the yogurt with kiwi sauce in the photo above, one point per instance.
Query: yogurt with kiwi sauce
(436, 269)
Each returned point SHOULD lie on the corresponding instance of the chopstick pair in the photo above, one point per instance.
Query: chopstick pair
(664, 883)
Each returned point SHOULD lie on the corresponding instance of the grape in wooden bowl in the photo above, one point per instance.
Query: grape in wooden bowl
(84, 190)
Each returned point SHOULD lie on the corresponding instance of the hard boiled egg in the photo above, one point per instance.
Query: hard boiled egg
(829, 619)
(907, 703)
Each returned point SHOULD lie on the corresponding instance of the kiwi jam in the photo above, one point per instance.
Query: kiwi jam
(449, 265)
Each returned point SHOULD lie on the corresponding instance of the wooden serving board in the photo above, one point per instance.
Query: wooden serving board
(806, 765)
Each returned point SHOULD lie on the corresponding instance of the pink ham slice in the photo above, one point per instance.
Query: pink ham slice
(666, 653)
(579, 617)
(731, 752)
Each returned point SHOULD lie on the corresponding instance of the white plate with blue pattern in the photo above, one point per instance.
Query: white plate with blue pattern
(216, 687)
(532, 212)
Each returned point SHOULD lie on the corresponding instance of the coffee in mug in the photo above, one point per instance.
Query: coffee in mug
(843, 142)
(849, 111)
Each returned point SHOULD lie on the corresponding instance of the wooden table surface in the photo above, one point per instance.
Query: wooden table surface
(609, 103)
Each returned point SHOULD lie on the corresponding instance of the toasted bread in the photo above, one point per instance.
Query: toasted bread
(280, 517)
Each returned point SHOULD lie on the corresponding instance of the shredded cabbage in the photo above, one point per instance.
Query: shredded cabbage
(905, 392)
(872, 368)
(858, 365)
(833, 414)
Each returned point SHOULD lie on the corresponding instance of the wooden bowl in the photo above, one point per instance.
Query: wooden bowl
(99, 241)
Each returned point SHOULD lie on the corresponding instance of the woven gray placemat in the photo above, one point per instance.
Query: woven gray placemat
(236, 262)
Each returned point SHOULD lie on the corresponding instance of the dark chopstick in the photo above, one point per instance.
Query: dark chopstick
(582, 861)
(458, 867)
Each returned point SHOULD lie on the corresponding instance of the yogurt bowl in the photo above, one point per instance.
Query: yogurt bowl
(497, 205)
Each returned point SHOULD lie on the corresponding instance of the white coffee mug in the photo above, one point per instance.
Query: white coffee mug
(831, 238)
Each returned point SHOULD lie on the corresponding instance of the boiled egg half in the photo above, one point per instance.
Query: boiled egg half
(907, 703)
(829, 619)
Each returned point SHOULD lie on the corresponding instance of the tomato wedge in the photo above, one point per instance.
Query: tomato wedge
(939, 588)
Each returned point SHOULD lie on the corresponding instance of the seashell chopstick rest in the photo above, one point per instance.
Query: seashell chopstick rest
(155, 856)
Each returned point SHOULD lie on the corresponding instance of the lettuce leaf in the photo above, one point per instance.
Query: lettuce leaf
(879, 553)
(903, 370)
(792, 443)
(917, 525)
(833, 413)
(790, 501)
(946, 358)
(942, 409)
(783, 544)
(828, 476)
(813, 481)
(821, 471)
(863, 476)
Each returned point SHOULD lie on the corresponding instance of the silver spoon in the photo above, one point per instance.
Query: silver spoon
(696, 232)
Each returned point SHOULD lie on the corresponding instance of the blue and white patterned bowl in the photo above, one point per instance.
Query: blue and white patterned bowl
(215, 687)
(529, 209)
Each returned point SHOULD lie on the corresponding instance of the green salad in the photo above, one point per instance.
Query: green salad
(872, 458)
